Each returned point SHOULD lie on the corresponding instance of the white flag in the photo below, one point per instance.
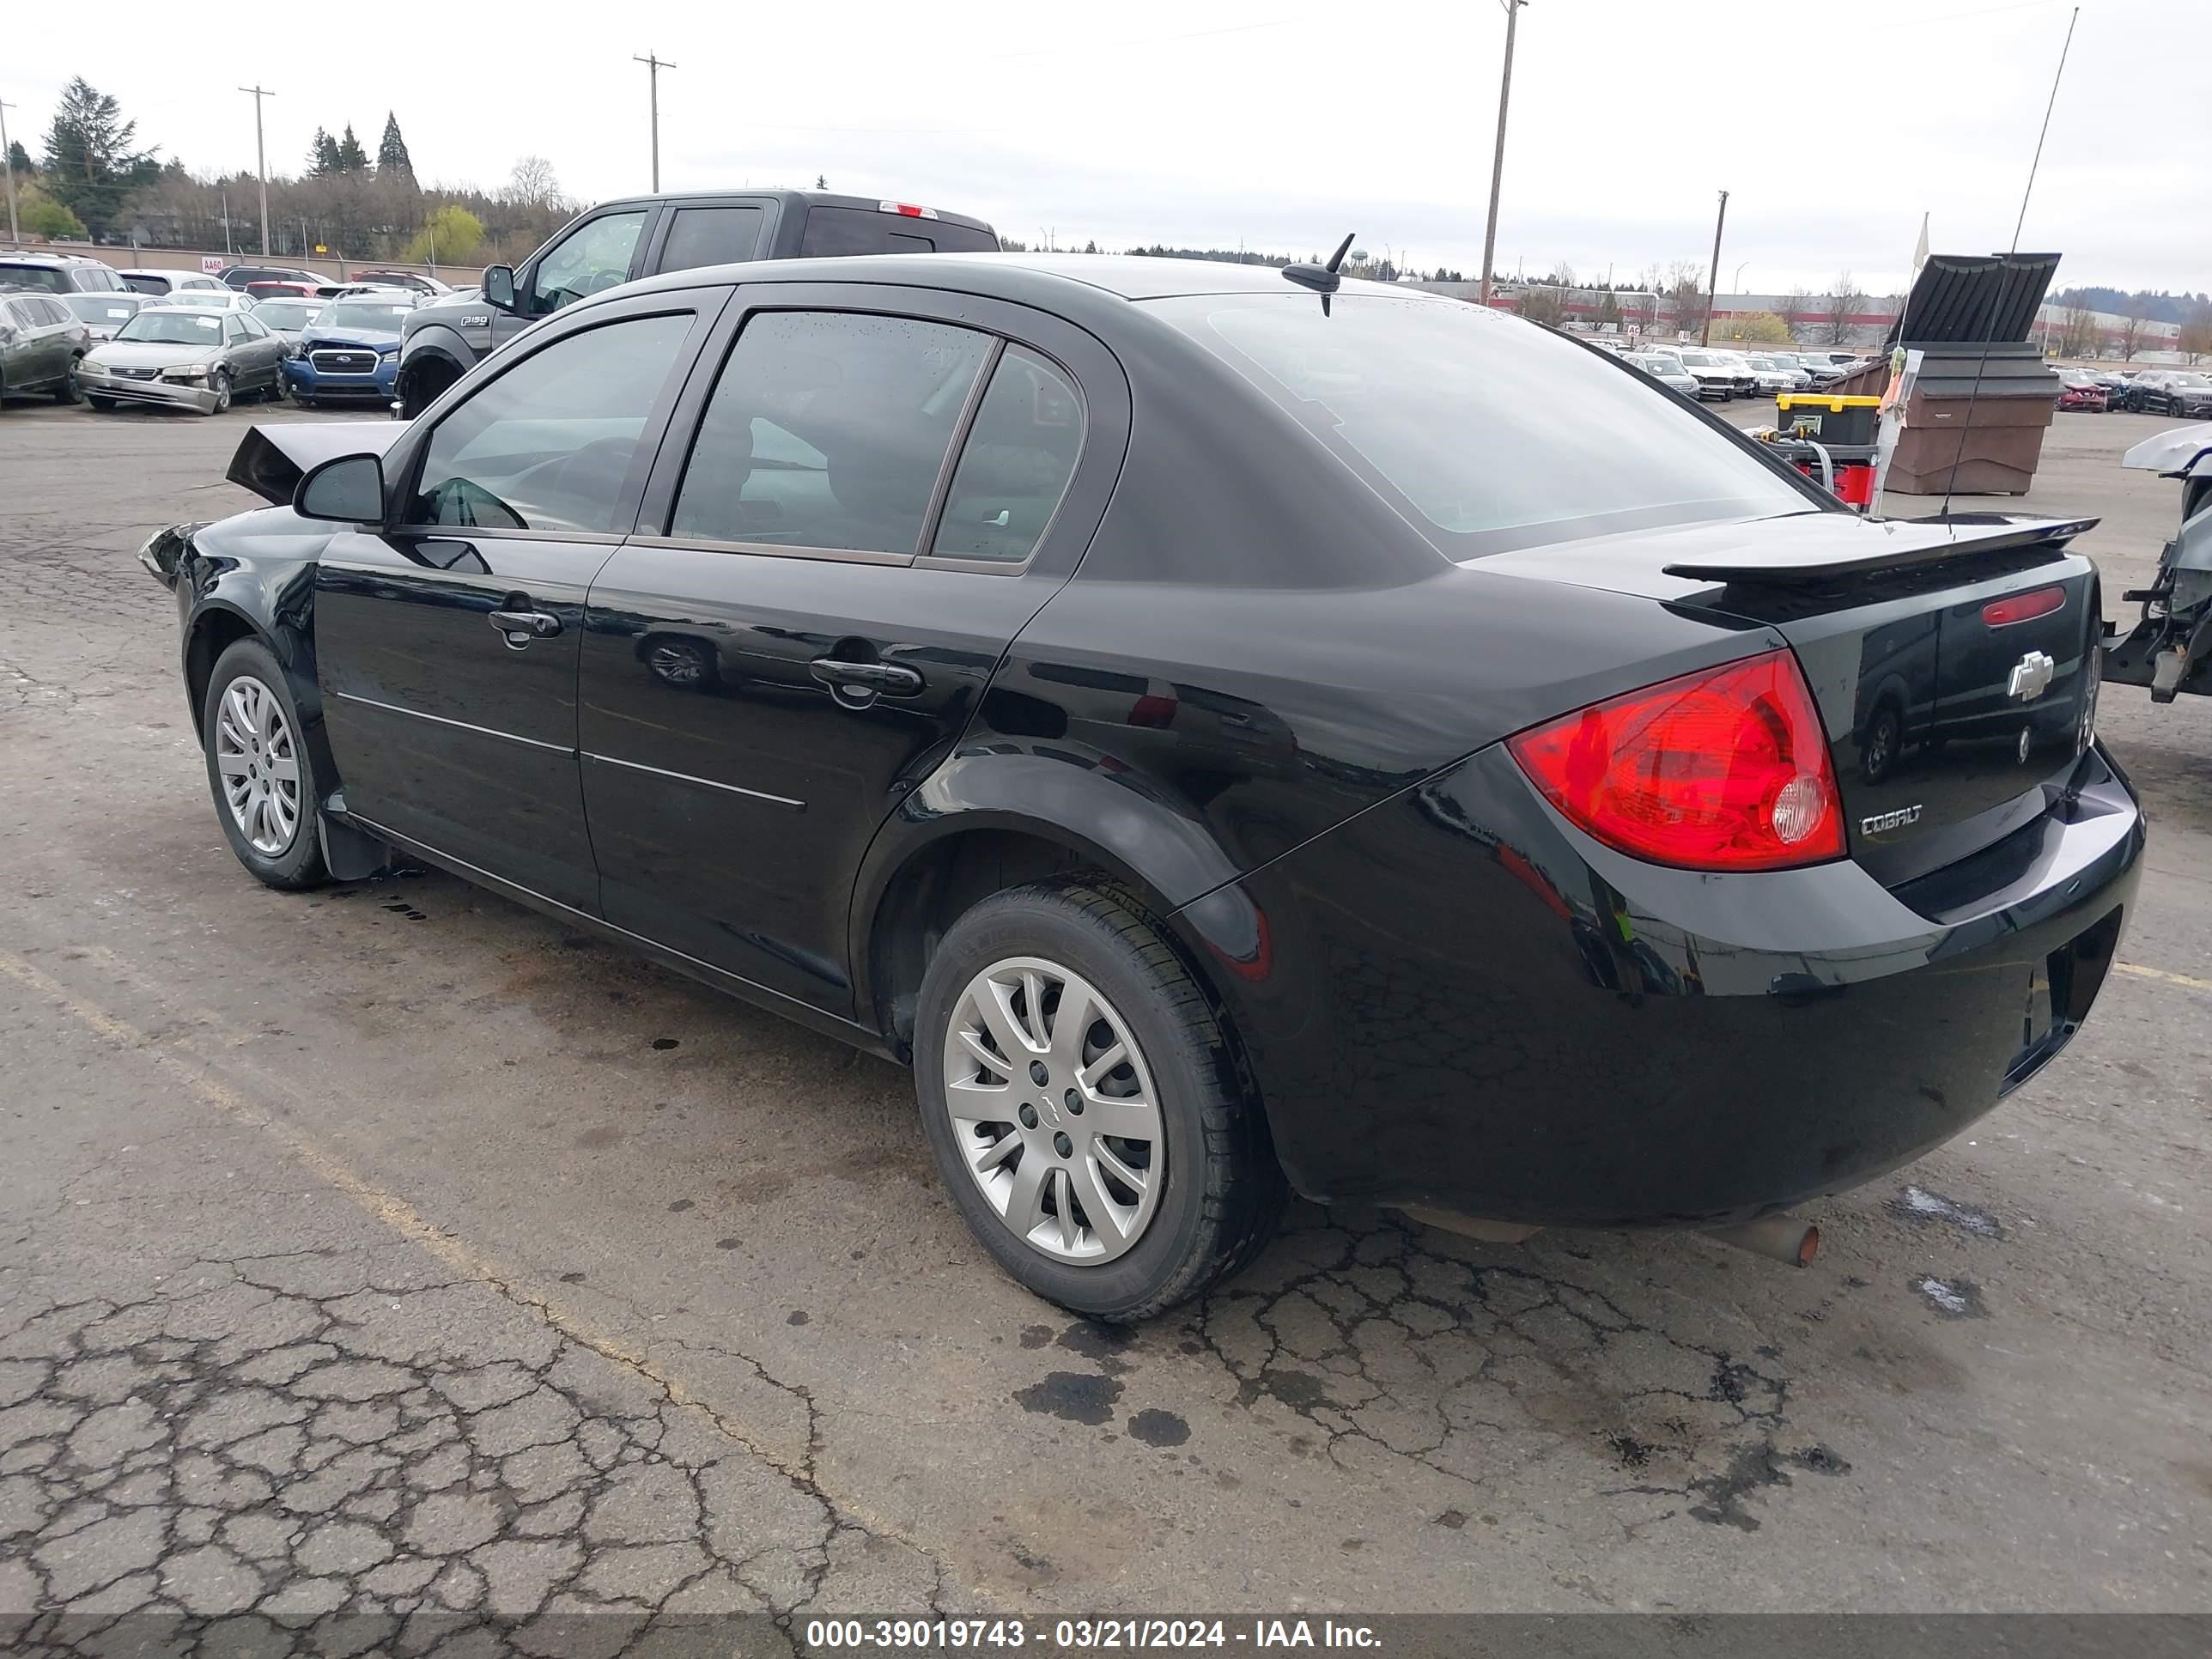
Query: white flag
(1920, 253)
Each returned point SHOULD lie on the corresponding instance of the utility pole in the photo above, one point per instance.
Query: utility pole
(1498, 160)
(229, 252)
(652, 68)
(261, 161)
(1712, 282)
(7, 166)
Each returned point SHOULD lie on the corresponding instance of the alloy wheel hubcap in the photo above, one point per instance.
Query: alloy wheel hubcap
(259, 765)
(1053, 1111)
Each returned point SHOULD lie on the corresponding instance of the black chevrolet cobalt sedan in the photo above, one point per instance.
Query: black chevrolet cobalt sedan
(1228, 740)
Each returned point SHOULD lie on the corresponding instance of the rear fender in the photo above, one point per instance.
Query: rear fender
(1102, 815)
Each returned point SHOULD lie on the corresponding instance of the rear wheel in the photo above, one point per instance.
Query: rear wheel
(69, 391)
(1878, 750)
(259, 770)
(1086, 1116)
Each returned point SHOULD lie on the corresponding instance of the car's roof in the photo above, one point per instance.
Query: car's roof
(1128, 276)
(810, 197)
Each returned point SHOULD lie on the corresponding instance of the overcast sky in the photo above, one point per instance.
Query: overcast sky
(1272, 123)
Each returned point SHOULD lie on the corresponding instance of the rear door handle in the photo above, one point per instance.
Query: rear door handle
(533, 624)
(887, 677)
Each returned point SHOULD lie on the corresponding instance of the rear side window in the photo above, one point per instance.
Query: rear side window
(548, 445)
(834, 230)
(1015, 466)
(148, 284)
(828, 429)
(1485, 433)
(710, 236)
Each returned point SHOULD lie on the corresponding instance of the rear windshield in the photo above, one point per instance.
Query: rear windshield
(288, 313)
(46, 278)
(371, 314)
(834, 230)
(1488, 432)
(102, 307)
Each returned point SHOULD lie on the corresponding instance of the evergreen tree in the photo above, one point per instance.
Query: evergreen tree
(19, 159)
(322, 154)
(351, 157)
(391, 150)
(90, 166)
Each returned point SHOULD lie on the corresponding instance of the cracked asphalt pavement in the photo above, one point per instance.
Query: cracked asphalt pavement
(377, 1259)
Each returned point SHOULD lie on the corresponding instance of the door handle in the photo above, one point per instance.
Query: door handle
(888, 678)
(535, 624)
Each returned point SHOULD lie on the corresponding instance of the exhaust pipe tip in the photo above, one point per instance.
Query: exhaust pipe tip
(1777, 1237)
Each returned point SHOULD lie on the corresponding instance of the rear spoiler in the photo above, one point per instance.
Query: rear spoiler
(1908, 543)
(272, 460)
(2183, 452)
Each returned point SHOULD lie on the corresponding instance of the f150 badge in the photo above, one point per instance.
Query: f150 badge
(1897, 820)
(2031, 676)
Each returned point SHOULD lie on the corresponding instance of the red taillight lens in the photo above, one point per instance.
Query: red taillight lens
(1727, 769)
(2023, 607)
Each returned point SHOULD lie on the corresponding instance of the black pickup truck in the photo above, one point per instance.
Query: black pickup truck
(645, 235)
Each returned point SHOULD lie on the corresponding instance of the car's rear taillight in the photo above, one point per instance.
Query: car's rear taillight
(1726, 769)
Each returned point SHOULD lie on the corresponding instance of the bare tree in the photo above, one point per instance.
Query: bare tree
(2077, 330)
(2132, 328)
(1842, 305)
(2195, 341)
(533, 184)
(1684, 298)
(1541, 303)
(1797, 309)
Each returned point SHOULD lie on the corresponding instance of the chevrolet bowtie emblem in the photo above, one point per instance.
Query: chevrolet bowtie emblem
(2031, 676)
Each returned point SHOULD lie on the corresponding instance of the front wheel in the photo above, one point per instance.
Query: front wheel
(220, 386)
(259, 770)
(1084, 1108)
(100, 405)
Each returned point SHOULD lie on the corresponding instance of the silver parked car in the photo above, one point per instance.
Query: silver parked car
(185, 357)
(102, 314)
(1666, 368)
(288, 319)
(41, 341)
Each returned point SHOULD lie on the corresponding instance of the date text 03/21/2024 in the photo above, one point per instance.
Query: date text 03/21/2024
(1083, 1634)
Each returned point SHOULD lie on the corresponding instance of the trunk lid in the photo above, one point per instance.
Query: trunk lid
(1954, 663)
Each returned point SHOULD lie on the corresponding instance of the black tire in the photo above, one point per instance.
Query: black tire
(1883, 741)
(100, 405)
(1225, 1191)
(299, 864)
(221, 387)
(69, 391)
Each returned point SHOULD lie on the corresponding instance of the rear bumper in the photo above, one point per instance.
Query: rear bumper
(1457, 1000)
(96, 382)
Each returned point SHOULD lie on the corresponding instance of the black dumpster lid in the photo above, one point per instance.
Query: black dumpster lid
(1976, 297)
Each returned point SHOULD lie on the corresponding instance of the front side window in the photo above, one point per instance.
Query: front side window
(548, 445)
(1015, 466)
(1486, 434)
(710, 236)
(827, 429)
(593, 258)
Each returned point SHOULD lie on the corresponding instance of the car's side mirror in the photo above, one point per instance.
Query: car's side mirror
(498, 287)
(349, 489)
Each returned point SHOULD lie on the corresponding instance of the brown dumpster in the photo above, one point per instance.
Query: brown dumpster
(1984, 396)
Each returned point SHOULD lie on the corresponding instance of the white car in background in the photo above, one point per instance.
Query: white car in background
(102, 314)
(218, 298)
(1773, 375)
(141, 281)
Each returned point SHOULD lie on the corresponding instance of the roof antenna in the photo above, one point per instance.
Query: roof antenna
(1323, 280)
